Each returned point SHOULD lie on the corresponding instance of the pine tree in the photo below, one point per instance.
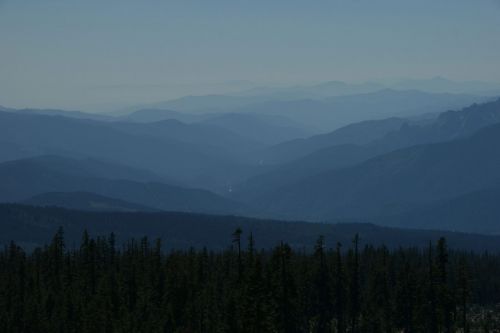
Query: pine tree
(339, 290)
(445, 306)
(406, 286)
(463, 291)
(354, 285)
(237, 239)
(322, 306)
(432, 306)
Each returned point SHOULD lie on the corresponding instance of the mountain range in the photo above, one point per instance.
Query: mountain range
(408, 161)
(298, 160)
(327, 113)
(203, 157)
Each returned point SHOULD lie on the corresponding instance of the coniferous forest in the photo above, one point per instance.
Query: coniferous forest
(102, 286)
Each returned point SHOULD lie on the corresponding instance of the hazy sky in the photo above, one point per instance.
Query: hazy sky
(83, 53)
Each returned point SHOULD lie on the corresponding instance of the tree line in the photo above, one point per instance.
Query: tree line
(137, 287)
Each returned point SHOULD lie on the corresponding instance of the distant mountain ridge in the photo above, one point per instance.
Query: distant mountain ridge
(23, 179)
(63, 113)
(335, 112)
(327, 113)
(448, 125)
(338, 88)
(84, 201)
(200, 162)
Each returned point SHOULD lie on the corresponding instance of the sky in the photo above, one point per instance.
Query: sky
(90, 54)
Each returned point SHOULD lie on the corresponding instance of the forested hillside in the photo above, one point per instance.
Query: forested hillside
(34, 226)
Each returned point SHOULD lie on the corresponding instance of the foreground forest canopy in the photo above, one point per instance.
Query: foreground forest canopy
(137, 287)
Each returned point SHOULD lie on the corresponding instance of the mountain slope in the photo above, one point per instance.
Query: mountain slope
(214, 140)
(266, 129)
(273, 178)
(477, 211)
(353, 134)
(86, 167)
(24, 179)
(447, 126)
(394, 182)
